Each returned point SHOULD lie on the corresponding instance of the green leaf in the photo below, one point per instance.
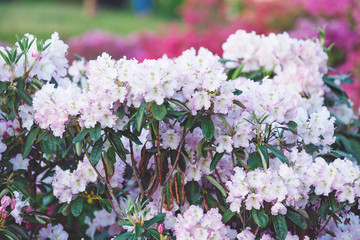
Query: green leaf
(138, 230)
(140, 116)
(226, 123)
(280, 226)
(313, 219)
(227, 216)
(158, 111)
(254, 161)
(19, 229)
(20, 187)
(95, 132)
(292, 125)
(216, 184)
(215, 160)
(207, 128)
(121, 112)
(260, 217)
(324, 210)
(155, 233)
(81, 135)
(66, 210)
(265, 154)
(123, 236)
(29, 141)
(77, 206)
(96, 152)
(116, 142)
(10, 234)
(39, 220)
(180, 104)
(158, 218)
(193, 195)
(199, 148)
(106, 205)
(237, 72)
(278, 154)
(297, 219)
(24, 95)
(125, 222)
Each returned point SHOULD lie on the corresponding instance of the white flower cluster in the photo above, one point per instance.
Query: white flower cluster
(44, 64)
(66, 184)
(53, 232)
(291, 186)
(101, 220)
(194, 224)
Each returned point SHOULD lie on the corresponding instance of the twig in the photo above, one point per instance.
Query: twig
(136, 173)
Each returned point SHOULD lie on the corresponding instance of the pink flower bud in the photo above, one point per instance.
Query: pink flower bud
(2, 209)
(13, 203)
(161, 228)
(6, 214)
(5, 201)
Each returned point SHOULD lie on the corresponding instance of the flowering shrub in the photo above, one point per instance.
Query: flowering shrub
(259, 144)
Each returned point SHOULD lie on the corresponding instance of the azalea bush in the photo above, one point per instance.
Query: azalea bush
(262, 143)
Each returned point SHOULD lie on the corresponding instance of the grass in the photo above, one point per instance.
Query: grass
(68, 19)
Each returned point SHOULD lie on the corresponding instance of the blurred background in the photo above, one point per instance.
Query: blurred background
(151, 28)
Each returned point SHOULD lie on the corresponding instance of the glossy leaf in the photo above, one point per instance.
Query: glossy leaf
(207, 128)
(96, 152)
(29, 141)
(158, 111)
(260, 217)
(280, 226)
(77, 206)
(215, 160)
(80, 136)
(297, 219)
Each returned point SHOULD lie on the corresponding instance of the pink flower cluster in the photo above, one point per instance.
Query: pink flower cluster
(290, 185)
(195, 224)
(102, 220)
(246, 234)
(66, 184)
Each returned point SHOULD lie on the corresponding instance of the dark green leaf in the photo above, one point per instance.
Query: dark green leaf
(19, 229)
(10, 234)
(124, 236)
(158, 111)
(140, 116)
(106, 205)
(180, 104)
(77, 206)
(20, 187)
(96, 152)
(29, 141)
(193, 195)
(154, 233)
(125, 222)
(260, 217)
(297, 219)
(207, 127)
(158, 218)
(24, 95)
(116, 142)
(278, 154)
(121, 112)
(280, 226)
(95, 132)
(227, 216)
(265, 154)
(81, 135)
(138, 230)
(215, 160)
(254, 161)
(324, 210)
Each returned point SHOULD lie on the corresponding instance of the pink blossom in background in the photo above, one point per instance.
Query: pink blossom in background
(326, 7)
(338, 32)
(93, 43)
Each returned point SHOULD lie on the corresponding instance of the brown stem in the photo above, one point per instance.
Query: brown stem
(135, 170)
(159, 160)
(220, 180)
(176, 159)
(327, 221)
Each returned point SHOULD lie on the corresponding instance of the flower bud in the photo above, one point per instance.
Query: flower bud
(2, 209)
(5, 201)
(161, 228)
(6, 214)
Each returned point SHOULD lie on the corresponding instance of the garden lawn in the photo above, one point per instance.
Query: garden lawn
(43, 18)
